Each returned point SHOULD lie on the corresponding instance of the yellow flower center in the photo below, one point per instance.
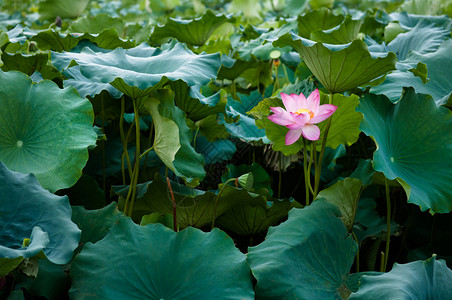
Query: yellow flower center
(303, 110)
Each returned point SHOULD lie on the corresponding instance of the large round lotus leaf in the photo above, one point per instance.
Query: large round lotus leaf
(339, 67)
(307, 257)
(154, 262)
(428, 279)
(30, 212)
(414, 146)
(45, 130)
(138, 71)
(195, 32)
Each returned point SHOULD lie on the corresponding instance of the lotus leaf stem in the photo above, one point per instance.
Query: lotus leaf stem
(318, 167)
(216, 200)
(388, 222)
(175, 225)
(305, 171)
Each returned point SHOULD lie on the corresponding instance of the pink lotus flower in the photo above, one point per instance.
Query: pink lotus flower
(300, 115)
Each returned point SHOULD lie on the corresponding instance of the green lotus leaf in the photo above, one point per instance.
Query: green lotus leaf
(408, 21)
(364, 172)
(3, 40)
(96, 24)
(86, 86)
(413, 146)
(425, 37)
(320, 19)
(339, 67)
(59, 8)
(16, 39)
(56, 41)
(95, 224)
(345, 195)
(313, 238)
(51, 230)
(193, 32)
(248, 220)
(439, 86)
(173, 137)
(139, 71)
(193, 207)
(246, 128)
(29, 64)
(344, 33)
(429, 279)
(331, 170)
(194, 103)
(156, 268)
(155, 217)
(47, 130)
(345, 121)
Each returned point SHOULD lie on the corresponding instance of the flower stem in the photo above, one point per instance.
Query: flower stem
(174, 205)
(311, 159)
(136, 170)
(318, 167)
(279, 174)
(305, 169)
(357, 253)
(104, 164)
(216, 201)
(388, 222)
(124, 140)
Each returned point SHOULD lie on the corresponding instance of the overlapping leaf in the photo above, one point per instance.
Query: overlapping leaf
(30, 212)
(439, 86)
(416, 280)
(339, 67)
(345, 195)
(173, 137)
(156, 268)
